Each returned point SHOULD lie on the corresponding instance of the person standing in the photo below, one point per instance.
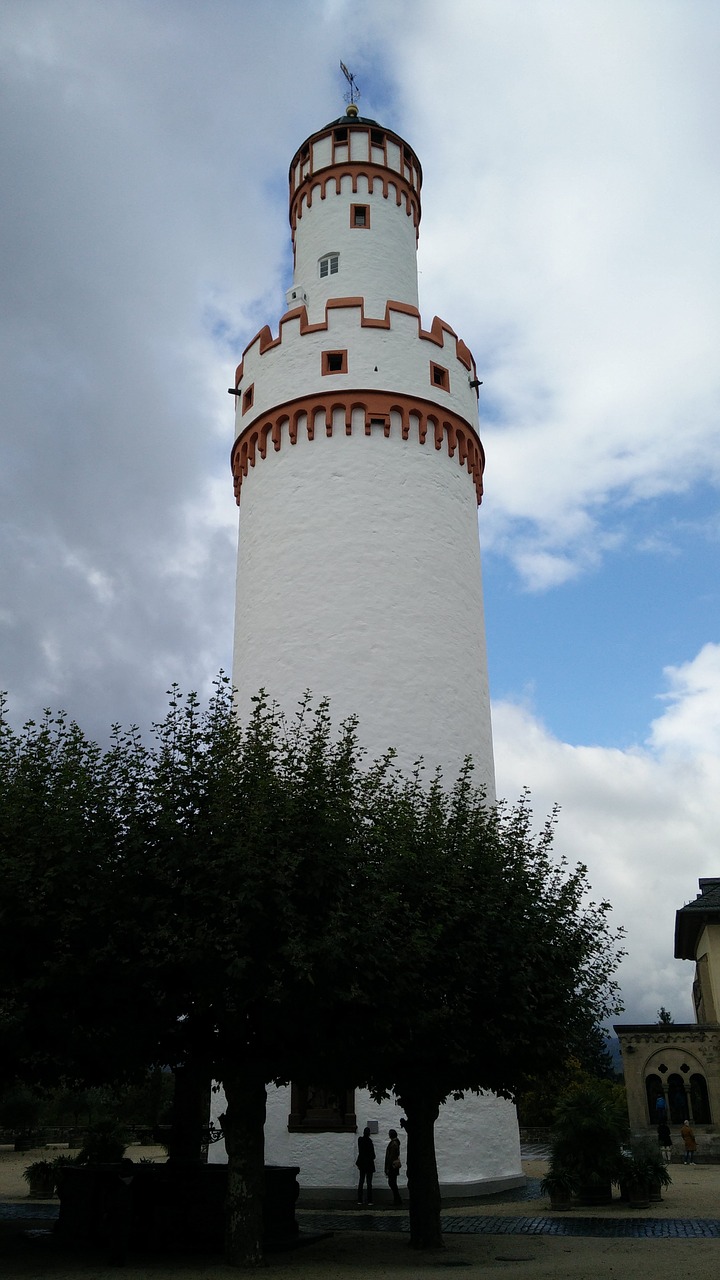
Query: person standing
(689, 1143)
(665, 1141)
(366, 1165)
(393, 1165)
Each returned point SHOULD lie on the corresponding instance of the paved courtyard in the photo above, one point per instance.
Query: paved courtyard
(515, 1231)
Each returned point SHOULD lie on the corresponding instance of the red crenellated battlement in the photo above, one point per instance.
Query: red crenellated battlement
(264, 340)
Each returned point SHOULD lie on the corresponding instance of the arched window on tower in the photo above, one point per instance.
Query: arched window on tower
(329, 265)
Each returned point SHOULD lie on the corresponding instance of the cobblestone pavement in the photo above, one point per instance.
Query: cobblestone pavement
(459, 1224)
(607, 1228)
(11, 1211)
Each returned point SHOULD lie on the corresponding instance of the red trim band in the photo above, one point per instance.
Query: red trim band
(442, 425)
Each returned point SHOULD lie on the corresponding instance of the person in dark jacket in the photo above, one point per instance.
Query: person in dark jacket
(366, 1165)
(393, 1165)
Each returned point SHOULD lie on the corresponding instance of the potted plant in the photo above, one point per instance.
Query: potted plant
(40, 1177)
(559, 1185)
(105, 1143)
(643, 1173)
(589, 1128)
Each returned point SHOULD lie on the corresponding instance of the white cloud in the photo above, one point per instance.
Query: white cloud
(644, 820)
(691, 724)
(571, 176)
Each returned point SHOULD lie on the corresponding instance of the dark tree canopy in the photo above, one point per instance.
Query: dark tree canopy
(237, 896)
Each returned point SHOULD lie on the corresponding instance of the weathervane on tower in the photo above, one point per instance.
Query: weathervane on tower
(354, 90)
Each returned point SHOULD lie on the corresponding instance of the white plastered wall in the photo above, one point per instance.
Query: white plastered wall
(359, 579)
(394, 360)
(476, 1143)
(376, 262)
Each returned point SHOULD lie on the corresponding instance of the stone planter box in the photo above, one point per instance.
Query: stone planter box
(170, 1206)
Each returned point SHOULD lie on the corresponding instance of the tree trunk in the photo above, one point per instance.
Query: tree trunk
(423, 1185)
(190, 1114)
(243, 1126)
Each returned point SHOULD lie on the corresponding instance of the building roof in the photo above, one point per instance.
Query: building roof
(351, 120)
(691, 919)
(661, 1030)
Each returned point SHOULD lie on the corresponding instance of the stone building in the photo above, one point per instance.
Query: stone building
(680, 1062)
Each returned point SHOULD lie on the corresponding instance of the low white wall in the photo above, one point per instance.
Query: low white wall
(476, 1139)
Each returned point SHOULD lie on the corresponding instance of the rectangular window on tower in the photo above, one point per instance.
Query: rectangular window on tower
(329, 265)
(316, 1109)
(359, 215)
(248, 397)
(439, 376)
(334, 362)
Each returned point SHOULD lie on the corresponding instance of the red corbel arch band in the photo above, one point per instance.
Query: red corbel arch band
(440, 426)
(333, 176)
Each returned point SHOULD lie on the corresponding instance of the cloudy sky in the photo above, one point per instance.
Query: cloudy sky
(569, 235)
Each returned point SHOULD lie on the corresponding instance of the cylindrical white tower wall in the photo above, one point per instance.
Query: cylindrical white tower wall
(355, 163)
(357, 579)
(358, 470)
(396, 356)
(376, 260)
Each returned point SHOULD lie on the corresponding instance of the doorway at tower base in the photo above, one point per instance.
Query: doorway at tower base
(477, 1145)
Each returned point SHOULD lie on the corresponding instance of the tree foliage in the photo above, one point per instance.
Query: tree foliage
(500, 963)
(231, 899)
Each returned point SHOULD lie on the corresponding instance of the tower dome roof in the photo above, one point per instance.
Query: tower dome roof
(353, 118)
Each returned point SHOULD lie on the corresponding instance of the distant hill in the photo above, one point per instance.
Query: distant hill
(612, 1044)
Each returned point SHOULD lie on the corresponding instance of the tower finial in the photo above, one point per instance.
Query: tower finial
(353, 91)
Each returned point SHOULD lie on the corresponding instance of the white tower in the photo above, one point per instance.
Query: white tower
(358, 471)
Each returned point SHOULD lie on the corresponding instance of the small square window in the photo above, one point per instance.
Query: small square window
(359, 215)
(377, 137)
(334, 362)
(329, 265)
(439, 376)
(248, 397)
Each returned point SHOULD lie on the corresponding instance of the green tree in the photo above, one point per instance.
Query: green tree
(244, 847)
(500, 962)
(64, 1006)
(238, 896)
